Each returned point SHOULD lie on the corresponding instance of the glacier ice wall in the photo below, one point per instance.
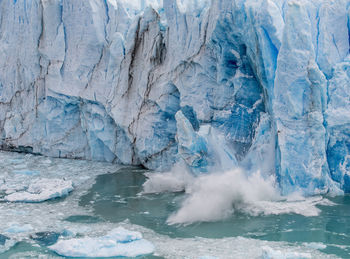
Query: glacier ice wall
(261, 84)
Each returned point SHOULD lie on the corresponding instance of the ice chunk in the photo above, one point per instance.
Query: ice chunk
(118, 242)
(40, 190)
(314, 245)
(192, 147)
(18, 228)
(269, 253)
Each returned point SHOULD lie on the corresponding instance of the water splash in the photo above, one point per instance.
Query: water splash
(218, 195)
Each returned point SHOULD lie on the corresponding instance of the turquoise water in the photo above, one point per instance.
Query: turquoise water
(106, 196)
(115, 197)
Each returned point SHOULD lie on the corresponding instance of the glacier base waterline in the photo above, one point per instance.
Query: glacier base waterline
(211, 84)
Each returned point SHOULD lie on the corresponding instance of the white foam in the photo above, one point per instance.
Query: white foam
(118, 242)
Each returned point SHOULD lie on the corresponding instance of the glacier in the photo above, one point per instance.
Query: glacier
(214, 85)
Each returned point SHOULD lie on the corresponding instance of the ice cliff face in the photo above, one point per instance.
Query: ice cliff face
(212, 84)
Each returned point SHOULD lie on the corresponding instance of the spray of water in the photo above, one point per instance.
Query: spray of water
(217, 196)
(214, 197)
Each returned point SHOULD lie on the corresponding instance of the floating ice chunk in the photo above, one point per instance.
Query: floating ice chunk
(118, 242)
(41, 190)
(17, 228)
(314, 245)
(269, 253)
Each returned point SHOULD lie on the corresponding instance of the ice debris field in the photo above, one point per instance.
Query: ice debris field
(45, 225)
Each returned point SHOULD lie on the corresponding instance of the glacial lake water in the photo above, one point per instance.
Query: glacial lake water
(107, 196)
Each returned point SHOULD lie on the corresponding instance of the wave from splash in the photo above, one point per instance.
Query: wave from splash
(217, 196)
